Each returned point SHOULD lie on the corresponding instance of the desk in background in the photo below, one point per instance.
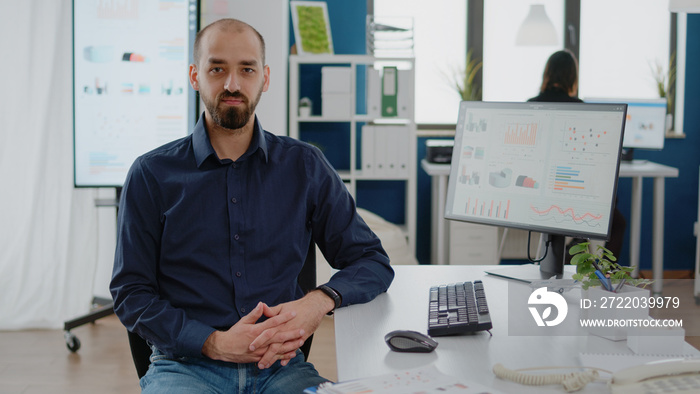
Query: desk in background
(636, 171)
(362, 352)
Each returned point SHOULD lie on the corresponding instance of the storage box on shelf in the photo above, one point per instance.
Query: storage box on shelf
(381, 147)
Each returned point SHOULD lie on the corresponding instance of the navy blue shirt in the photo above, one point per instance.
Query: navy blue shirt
(202, 240)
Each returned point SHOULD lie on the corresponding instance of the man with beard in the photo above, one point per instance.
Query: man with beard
(213, 231)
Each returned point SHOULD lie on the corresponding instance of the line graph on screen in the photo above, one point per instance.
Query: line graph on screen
(555, 213)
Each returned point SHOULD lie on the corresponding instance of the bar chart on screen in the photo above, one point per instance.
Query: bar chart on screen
(469, 178)
(478, 125)
(568, 178)
(524, 133)
(499, 209)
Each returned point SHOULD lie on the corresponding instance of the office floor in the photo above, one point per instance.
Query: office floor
(37, 361)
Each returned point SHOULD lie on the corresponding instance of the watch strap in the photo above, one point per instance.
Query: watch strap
(333, 294)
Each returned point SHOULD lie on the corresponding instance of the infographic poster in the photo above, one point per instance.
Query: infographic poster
(130, 82)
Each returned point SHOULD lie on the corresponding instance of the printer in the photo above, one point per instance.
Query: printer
(439, 151)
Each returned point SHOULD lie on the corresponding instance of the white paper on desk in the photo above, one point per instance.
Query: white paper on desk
(413, 381)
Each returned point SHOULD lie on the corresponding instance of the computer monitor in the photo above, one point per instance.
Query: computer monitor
(546, 167)
(645, 127)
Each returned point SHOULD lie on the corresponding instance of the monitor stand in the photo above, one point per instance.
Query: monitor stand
(551, 267)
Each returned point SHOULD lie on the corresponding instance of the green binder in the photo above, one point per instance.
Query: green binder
(389, 91)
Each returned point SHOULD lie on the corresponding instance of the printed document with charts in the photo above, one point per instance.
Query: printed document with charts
(420, 380)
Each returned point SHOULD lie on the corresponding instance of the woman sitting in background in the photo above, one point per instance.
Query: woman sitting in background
(560, 79)
(560, 84)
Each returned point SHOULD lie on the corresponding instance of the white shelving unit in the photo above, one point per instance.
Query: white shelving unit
(354, 173)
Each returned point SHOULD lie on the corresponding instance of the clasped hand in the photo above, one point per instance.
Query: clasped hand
(277, 338)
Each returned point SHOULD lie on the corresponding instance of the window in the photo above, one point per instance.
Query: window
(617, 44)
(439, 49)
(620, 43)
(514, 73)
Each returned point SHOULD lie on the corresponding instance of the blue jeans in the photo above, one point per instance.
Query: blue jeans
(203, 375)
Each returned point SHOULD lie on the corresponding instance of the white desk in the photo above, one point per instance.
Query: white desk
(362, 352)
(636, 171)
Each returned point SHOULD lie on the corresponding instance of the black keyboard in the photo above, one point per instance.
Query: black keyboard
(458, 308)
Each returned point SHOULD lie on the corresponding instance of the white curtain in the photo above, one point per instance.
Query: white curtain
(48, 229)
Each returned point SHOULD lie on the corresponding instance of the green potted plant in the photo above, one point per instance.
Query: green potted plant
(665, 83)
(610, 300)
(464, 81)
(304, 107)
(586, 262)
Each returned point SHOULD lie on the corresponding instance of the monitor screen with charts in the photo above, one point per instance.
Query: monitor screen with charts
(645, 126)
(545, 167)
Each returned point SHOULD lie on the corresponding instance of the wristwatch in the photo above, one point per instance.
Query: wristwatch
(335, 296)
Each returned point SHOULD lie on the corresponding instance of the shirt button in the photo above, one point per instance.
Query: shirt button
(238, 274)
(233, 200)
(234, 165)
(243, 310)
(236, 237)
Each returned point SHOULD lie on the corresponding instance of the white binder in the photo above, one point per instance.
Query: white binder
(403, 154)
(405, 95)
(367, 153)
(374, 93)
(381, 168)
(392, 134)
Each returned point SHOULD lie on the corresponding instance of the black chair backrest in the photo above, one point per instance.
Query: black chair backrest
(141, 352)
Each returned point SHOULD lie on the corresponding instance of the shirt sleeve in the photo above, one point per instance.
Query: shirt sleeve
(134, 284)
(344, 238)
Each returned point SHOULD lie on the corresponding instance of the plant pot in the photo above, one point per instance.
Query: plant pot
(615, 310)
(669, 122)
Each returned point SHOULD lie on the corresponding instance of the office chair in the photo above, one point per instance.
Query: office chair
(141, 352)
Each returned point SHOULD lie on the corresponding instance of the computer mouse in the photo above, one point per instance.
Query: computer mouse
(410, 341)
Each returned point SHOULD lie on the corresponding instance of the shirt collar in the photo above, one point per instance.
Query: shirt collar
(203, 148)
(259, 141)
